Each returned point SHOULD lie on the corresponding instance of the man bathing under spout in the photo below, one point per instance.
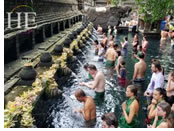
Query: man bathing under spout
(98, 84)
(89, 110)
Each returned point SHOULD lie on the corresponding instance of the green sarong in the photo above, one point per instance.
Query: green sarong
(116, 61)
(90, 76)
(160, 119)
(109, 63)
(99, 96)
(122, 121)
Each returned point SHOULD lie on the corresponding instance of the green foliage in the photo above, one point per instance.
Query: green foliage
(157, 9)
(115, 2)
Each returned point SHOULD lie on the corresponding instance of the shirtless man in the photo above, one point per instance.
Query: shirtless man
(98, 84)
(144, 44)
(89, 110)
(110, 55)
(139, 69)
(99, 30)
(164, 37)
(118, 61)
(111, 39)
(105, 40)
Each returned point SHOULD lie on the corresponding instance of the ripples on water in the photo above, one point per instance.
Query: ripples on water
(60, 113)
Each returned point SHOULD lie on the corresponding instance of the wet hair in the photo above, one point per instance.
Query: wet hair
(153, 60)
(141, 55)
(112, 36)
(123, 62)
(157, 65)
(126, 38)
(170, 120)
(162, 92)
(110, 119)
(116, 46)
(140, 46)
(92, 67)
(145, 36)
(165, 107)
(172, 73)
(86, 66)
(112, 30)
(167, 30)
(102, 44)
(119, 53)
(80, 93)
(96, 41)
(133, 89)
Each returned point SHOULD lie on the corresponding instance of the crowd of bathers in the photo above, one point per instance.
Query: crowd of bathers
(159, 95)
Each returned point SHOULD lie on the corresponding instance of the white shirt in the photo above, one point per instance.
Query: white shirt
(157, 81)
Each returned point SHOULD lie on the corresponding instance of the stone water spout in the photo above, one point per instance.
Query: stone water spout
(45, 60)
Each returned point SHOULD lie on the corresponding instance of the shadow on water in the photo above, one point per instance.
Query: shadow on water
(58, 113)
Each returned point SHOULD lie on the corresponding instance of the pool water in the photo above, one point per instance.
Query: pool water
(58, 113)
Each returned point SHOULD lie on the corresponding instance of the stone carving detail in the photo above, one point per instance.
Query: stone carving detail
(112, 16)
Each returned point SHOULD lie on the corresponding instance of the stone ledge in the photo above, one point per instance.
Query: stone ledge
(12, 69)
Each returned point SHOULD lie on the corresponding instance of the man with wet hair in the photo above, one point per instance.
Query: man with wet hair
(89, 110)
(86, 68)
(98, 84)
(109, 120)
(139, 69)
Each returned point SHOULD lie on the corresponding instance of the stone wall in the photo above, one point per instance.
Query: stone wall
(111, 16)
(40, 6)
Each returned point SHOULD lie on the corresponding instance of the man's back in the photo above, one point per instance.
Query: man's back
(111, 54)
(90, 109)
(101, 82)
(141, 68)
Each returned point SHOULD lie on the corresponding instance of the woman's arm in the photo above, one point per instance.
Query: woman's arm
(129, 117)
(152, 112)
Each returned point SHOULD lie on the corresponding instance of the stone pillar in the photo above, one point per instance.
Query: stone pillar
(51, 29)
(64, 22)
(58, 27)
(17, 46)
(69, 23)
(33, 38)
(78, 18)
(43, 31)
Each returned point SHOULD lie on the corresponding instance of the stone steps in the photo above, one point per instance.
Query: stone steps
(20, 41)
(12, 69)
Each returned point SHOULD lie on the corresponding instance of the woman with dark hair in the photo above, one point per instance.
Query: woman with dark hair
(159, 95)
(109, 120)
(162, 119)
(130, 109)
